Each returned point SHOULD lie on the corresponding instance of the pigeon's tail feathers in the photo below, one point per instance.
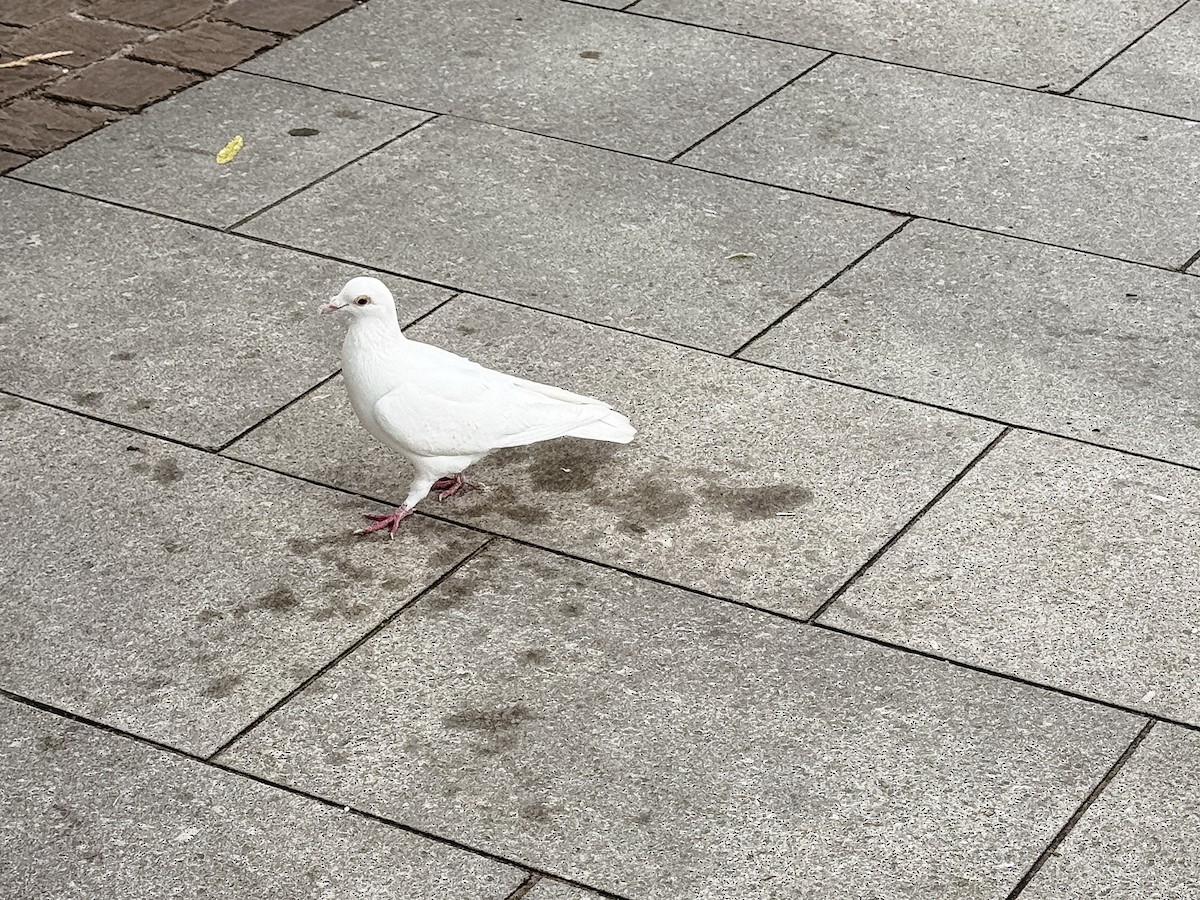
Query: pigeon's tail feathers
(613, 427)
(555, 393)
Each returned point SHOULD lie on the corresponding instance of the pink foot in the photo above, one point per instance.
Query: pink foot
(454, 484)
(391, 521)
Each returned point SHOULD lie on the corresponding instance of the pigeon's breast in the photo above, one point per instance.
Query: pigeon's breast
(368, 377)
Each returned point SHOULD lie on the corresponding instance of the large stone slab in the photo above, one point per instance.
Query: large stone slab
(167, 327)
(1113, 181)
(1028, 42)
(561, 69)
(558, 890)
(1140, 838)
(657, 744)
(1060, 563)
(1053, 339)
(595, 235)
(1161, 72)
(89, 814)
(177, 594)
(165, 160)
(742, 481)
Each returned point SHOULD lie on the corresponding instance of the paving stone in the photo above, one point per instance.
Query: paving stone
(18, 80)
(1053, 339)
(650, 742)
(1067, 565)
(9, 161)
(283, 16)
(165, 160)
(88, 39)
(1139, 839)
(772, 490)
(122, 84)
(1161, 72)
(176, 594)
(1030, 43)
(558, 890)
(1093, 177)
(562, 69)
(27, 13)
(592, 234)
(207, 47)
(36, 125)
(172, 329)
(161, 14)
(89, 814)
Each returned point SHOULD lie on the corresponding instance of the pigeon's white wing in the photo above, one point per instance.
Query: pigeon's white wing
(450, 406)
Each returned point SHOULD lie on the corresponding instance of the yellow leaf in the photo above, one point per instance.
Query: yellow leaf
(230, 150)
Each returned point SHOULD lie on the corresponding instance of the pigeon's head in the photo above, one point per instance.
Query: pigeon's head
(363, 298)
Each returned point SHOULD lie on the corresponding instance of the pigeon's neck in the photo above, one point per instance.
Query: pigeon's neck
(372, 363)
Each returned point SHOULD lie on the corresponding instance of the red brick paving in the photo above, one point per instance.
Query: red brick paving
(14, 82)
(161, 14)
(287, 16)
(208, 47)
(88, 40)
(27, 13)
(126, 54)
(37, 125)
(10, 161)
(123, 84)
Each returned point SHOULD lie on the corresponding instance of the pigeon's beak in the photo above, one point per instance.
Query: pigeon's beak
(332, 305)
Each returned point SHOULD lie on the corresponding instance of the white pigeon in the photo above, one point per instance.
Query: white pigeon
(442, 412)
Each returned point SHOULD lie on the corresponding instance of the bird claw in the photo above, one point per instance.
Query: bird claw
(391, 521)
(454, 484)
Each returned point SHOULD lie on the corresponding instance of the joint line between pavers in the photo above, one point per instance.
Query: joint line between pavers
(330, 90)
(425, 315)
(460, 290)
(929, 404)
(1100, 68)
(288, 35)
(590, 5)
(803, 300)
(329, 174)
(297, 792)
(753, 106)
(1066, 95)
(1191, 261)
(1007, 676)
(16, 176)
(981, 417)
(904, 529)
(1091, 798)
(324, 381)
(81, 719)
(273, 413)
(757, 37)
(524, 887)
(468, 526)
(362, 639)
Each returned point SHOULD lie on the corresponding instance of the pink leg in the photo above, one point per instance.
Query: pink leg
(454, 484)
(391, 521)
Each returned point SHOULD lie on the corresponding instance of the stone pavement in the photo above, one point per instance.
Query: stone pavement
(896, 594)
(68, 67)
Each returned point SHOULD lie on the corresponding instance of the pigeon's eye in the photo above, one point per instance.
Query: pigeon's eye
(362, 301)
